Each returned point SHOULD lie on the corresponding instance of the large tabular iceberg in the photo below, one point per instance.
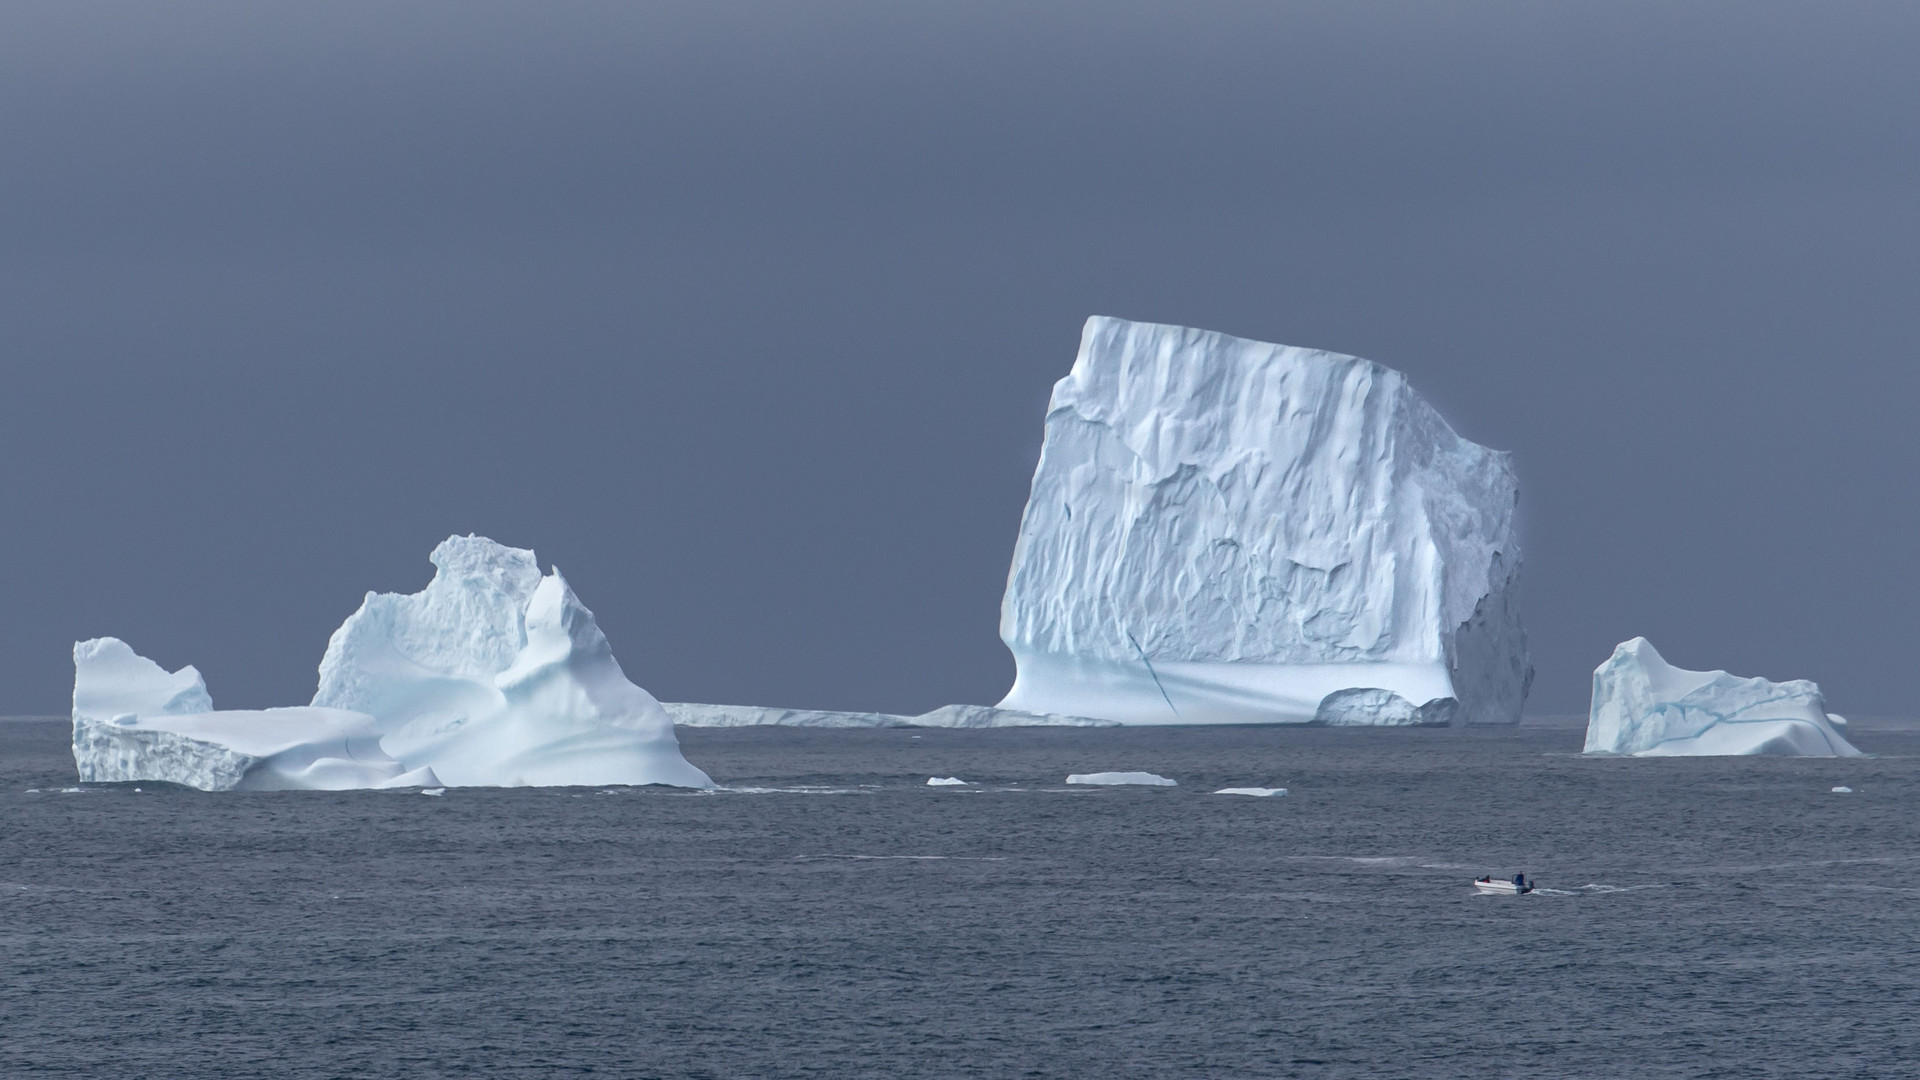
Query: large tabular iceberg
(492, 676)
(1644, 706)
(1226, 531)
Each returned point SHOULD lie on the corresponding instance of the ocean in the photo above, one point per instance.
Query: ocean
(829, 914)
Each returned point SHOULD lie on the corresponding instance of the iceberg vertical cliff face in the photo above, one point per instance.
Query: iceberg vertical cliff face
(1646, 707)
(496, 676)
(1224, 531)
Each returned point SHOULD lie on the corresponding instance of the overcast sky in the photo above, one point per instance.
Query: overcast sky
(746, 314)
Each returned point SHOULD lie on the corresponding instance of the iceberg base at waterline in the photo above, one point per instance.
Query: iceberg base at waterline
(1646, 707)
(493, 676)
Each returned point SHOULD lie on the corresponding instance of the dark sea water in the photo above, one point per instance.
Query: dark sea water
(837, 917)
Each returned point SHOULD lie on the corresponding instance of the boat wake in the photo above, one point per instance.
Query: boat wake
(1596, 890)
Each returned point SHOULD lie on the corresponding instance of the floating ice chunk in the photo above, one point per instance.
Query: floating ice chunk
(495, 676)
(1257, 792)
(1146, 778)
(945, 781)
(1227, 531)
(433, 791)
(1843, 791)
(1648, 708)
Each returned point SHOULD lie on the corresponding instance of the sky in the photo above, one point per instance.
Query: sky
(745, 314)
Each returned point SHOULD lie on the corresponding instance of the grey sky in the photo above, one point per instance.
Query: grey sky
(745, 314)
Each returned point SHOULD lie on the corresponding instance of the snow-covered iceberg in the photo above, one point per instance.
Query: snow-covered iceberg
(1644, 706)
(1227, 531)
(494, 675)
(132, 721)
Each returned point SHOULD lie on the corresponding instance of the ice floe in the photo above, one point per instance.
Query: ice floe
(1116, 778)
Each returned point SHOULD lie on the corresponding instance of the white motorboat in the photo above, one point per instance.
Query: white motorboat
(1518, 886)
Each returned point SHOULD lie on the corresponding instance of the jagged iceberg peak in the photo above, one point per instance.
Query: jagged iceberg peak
(1223, 530)
(497, 676)
(1644, 706)
(468, 624)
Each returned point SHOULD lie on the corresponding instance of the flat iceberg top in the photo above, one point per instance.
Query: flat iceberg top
(1646, 707)
(1204, 501)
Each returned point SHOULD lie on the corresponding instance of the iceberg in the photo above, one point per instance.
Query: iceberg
(1646, 707)
(1120, 778)
(945, 781)
(495, 675)
(134, 721)
(1256, 792)
(1228, 531)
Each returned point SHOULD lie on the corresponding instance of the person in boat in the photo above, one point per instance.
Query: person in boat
(1520, 882)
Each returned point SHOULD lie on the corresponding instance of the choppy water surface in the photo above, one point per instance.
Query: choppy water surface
(834, 916)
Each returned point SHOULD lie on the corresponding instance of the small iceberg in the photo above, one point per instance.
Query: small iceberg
(1646, 707)
(1146, 778)
(433, 791)
(945, 781)
(1843, 791)
(1256, 792)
